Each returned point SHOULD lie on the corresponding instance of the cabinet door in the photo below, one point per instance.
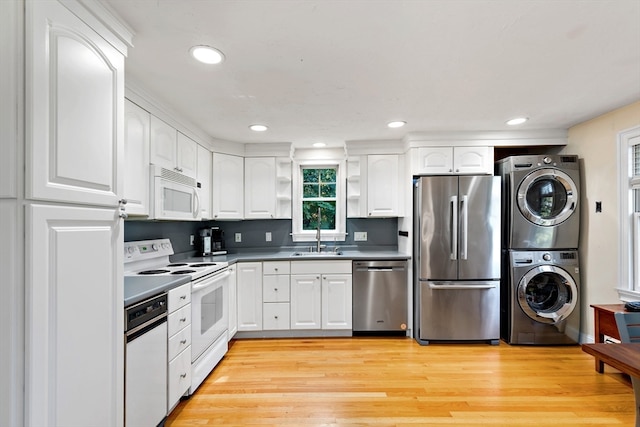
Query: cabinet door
(74, 324)
(383, 185)
(187, 156)
(336, 301)
(136, 159)
(204, 181)
(434, 160)
(473, 160)
(259, 187)
(228, 187)
(164, 140)
(305, 301)
(233, 302)
(249, 275)
(74, 132)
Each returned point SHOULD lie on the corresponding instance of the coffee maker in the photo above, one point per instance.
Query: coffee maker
(210, 241)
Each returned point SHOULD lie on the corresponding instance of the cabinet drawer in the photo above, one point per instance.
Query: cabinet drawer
(179, 297)
(324, 267)
(276, 288)
(179, 341)
(275, 316)
(179, 319)
(179, 377)
(276, 267)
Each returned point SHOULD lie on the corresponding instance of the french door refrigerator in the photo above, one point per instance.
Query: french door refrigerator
(457, 232)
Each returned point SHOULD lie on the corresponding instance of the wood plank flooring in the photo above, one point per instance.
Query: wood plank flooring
(396, 382)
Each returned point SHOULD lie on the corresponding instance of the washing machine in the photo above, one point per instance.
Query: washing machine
(541, 301)
(541, 201)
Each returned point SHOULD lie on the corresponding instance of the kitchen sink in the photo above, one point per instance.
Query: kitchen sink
(317, 254)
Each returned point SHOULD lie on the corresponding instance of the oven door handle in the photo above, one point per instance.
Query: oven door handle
(210, 281)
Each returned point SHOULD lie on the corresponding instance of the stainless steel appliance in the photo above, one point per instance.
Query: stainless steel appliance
(457, 259)
(541, 306)
(541, 201)
(380, 296)
(146, 362)
(209, 298)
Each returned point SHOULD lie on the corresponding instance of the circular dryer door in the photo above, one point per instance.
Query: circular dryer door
(547, 197)
(547, 294)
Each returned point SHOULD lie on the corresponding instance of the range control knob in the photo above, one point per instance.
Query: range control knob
(546, 257)
(547, 160)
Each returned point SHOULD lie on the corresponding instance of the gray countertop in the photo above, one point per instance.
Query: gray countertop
(138, 288)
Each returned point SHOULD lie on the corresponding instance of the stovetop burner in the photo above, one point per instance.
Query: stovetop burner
(203, 264)
(178, 264)
(149, 272)
(183, 272)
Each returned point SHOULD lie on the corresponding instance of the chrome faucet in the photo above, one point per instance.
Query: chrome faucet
(318, 233)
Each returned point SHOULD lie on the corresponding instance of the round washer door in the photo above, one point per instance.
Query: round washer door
(547, 197)
(547, 294)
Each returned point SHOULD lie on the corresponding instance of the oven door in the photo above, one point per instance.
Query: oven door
(175, 201)
(210, 311)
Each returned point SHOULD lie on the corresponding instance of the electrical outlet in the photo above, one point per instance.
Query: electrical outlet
(267, 236)
(238, 237)
(191, 239)
(360, 236)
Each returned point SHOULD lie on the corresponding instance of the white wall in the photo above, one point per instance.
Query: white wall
(595, 142)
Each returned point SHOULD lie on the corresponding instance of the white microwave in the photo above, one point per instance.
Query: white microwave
(174, 196)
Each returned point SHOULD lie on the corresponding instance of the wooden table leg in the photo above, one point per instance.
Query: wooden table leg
(599, 338)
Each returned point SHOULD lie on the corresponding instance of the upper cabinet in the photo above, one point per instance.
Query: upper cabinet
(171, 149)
(259, 187)
(78, 158)
(136, 159)
(204, 161)
(452, 160)
(228, 182)
(373, 184)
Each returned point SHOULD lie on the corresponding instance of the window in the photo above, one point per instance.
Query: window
(318, 193)
(629, 162)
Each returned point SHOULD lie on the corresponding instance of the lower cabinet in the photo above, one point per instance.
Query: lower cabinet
(249, 278)
(233, 302)
(276, 283)
(336, 301)
(179, 344)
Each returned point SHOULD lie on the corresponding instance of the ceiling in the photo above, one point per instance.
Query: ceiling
(338, 70)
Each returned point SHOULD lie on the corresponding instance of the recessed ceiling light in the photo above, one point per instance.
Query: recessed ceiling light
(207, 54)
(258, 128)
(517, 121)
(319, 144)
(397, 124)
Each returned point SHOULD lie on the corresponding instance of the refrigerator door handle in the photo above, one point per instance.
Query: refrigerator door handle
(453, 204)
(460, 286)
(464, 225)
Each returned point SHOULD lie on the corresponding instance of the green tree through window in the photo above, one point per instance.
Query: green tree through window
(319, 192)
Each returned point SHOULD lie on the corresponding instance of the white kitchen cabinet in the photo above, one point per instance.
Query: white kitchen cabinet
(178, 344)
(73, 307)
(259, 187)
(203, 179)
(171, 149)
(306, 301)
(453, 160)
(337, 301)
(74, 316)
(136, 159)
(276, 283)
(228, 187)
(249, 277)
(383, 185)
(233, 302)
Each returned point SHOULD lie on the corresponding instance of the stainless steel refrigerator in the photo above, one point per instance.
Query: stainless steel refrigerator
(457, 259)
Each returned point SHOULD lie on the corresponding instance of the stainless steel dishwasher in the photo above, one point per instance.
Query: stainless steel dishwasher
(380, 296)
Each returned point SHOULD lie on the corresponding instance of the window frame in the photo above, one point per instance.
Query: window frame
(629, 220)
(339, 233)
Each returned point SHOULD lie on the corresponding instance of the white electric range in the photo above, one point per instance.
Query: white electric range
(209, 299)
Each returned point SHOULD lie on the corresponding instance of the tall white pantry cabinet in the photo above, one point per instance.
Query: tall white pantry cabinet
(68, 204)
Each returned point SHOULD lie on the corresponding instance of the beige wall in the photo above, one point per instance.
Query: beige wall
(595, 142)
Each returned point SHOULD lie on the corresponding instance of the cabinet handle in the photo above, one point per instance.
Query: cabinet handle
(275, 269)
(183, 342)
(122, 214)
(184, 319)
(183, 297)
(122, 201)
(275, 289)
(275, 317)
(183, 375)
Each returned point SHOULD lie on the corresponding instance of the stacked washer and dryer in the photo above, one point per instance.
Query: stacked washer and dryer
(540, 288)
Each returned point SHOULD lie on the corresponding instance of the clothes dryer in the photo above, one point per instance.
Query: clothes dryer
(541, 201)
(540, 302)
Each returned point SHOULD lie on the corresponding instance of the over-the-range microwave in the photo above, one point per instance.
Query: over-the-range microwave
(173, 196)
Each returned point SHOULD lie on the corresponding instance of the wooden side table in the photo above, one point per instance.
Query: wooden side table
(605, 324)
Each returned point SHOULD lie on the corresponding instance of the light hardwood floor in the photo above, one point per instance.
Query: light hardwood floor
(396, 382)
